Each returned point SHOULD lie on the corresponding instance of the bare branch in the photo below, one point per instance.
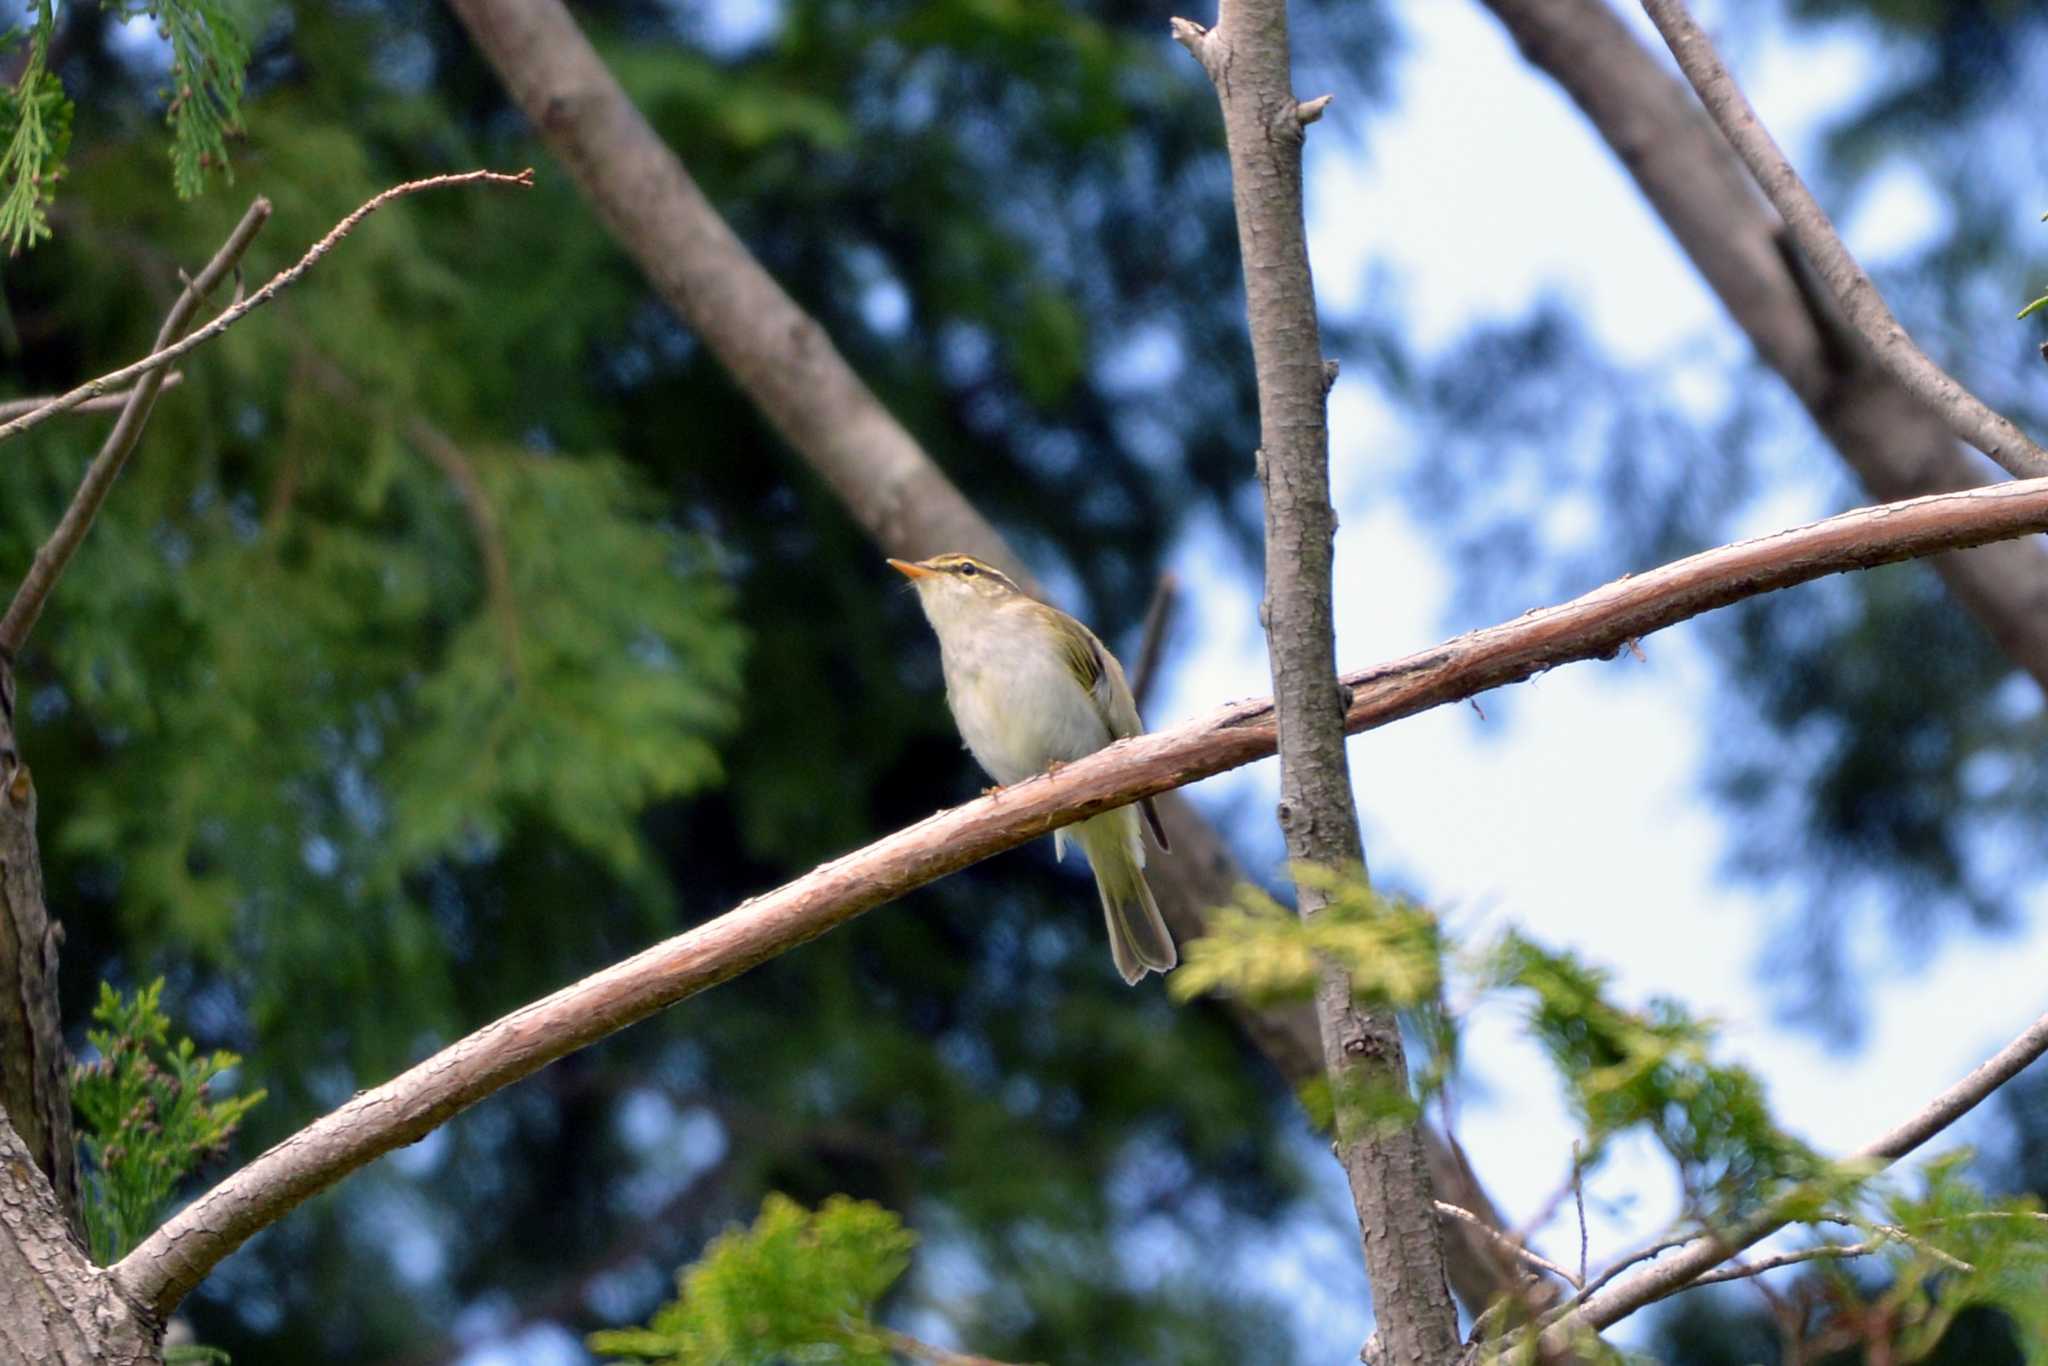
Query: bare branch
(1702, 1254)
(280, 282)
(1505, 1243)
(55, 553)
(175, 1258)
(1248, 59)
(1152, 637)
(1863, 306)
(105, 403)
(1743, 1270)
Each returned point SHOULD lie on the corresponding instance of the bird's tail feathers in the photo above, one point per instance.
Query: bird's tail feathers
(1138, 938)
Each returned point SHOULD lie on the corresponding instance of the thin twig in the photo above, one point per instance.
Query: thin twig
(1864, 308)
(917, 1350)
(181, 1252)
(55, 553)
(278, 283)
(1621, 1264)
(1152, 640)
(15, 407)
(1579, 1199)
(1887, 1235)
(1509, 1245)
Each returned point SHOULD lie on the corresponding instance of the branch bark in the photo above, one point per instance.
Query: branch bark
(177, 1256)
(56, 553)
(785, 362)
(35, 1092)
(1898, 447)
(1966, 414)
(1248, 60)
(56, 1307)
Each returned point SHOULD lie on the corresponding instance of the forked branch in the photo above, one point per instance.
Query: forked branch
(283, 280)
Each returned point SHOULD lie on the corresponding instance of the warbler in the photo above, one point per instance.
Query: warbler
(1030, 689)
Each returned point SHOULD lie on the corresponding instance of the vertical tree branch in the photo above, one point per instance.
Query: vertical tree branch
(35, 1092)
(1246, 56)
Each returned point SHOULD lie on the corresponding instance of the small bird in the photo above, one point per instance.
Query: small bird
(1031, 689)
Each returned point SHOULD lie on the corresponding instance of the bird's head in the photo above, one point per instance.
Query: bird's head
(956, 578)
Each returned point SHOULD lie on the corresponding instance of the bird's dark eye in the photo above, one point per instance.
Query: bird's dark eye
(970, 569)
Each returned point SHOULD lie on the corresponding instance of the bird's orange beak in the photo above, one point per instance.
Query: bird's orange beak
(909, 570)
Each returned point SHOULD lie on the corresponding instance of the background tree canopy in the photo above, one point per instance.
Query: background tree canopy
(459, 628)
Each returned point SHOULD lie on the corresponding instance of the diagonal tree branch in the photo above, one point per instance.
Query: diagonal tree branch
(161, 1271)
(1691, 177)
(56, 552)
(785, 362)
(1248, 60)
(283, 280)
(1695, 1259)
(1808, 223)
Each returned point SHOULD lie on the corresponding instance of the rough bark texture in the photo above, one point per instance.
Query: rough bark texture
(174, 1259)
(1898, 447)
(56, 1307)
(34, 1090)
(1246, 56)
(789, 367)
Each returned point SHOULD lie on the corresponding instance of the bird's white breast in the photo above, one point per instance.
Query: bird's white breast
(1018, 705)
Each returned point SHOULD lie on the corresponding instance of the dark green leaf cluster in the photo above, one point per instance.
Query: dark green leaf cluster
(146, 1116)
(798, 1286)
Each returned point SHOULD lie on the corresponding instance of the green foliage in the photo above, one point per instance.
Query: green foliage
(1950, 1247)
(1261, 951)
(798, 1286)
(1650, 1069)
(2041, 302)
(1623, 1069)
(35, 126)
(295, 754)
(146, 1116)
(209, 53)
